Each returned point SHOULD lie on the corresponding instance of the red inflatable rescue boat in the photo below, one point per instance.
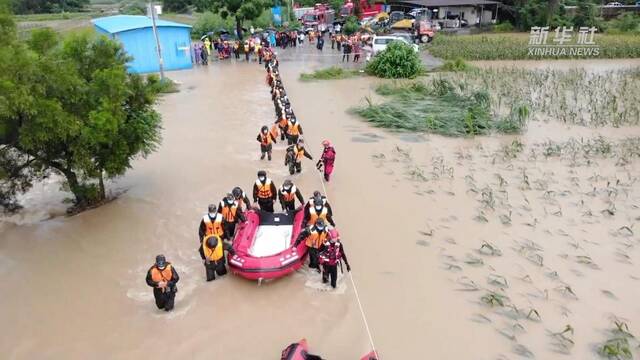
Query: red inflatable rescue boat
(264, 245)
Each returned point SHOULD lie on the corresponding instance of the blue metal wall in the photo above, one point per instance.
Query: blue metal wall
(141, 45)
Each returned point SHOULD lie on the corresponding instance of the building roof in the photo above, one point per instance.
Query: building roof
(120, 23)
(433, 3)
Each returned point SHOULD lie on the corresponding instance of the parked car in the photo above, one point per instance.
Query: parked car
(614, 3)
(380, 43)
(406, 36)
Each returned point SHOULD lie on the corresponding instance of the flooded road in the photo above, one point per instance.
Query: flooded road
(74, 287)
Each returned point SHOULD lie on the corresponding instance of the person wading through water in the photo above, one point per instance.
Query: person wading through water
(294, 130)
(287, 195)
(212, 253)
(264, 192)
(295, 154)
(327, 159)
(329, 255)
(162, 277)
(231, 215)
(266, 139)
(314, 236)
(211, 224)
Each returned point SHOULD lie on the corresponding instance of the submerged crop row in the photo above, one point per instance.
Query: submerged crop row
(482, 101)
(516, 47)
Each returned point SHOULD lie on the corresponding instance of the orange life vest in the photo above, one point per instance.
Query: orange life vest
(265, 139)
(264, 190)
(293, 129)
(288, 195)
(316, 239)
(213, 227)
(158, 275)
(313, 215)
(229, 212)
(215, 253)
(282, 122)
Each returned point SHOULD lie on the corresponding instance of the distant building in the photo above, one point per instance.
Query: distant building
(136, 35)
(454, 12)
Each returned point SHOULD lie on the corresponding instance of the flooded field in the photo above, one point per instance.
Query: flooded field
(438, 231)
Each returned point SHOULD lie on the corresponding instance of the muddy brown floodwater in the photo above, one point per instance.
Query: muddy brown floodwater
(409, 208)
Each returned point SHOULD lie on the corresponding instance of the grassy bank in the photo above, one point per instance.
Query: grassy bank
(332, 73)
(514, 46)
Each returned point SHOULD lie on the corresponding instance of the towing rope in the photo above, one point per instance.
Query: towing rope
(355, 288)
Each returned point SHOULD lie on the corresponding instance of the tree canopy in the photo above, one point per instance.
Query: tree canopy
(240, 9)
(70, 108)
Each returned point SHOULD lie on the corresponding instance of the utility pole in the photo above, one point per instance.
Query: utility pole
(152, 11)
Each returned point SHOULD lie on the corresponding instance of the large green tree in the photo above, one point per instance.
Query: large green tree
(70, 108)
(241, 10)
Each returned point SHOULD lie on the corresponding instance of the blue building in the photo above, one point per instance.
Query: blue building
(136, 35)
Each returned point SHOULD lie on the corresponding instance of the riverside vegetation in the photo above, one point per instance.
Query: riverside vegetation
(482, 101)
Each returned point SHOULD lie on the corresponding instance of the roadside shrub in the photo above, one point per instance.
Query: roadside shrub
(503, 27)
(397, 61)
(455, 65)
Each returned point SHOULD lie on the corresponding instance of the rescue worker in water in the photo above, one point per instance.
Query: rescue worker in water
(231, 214)
(264, 192)
(294, 130)
(266, 139)
(317, 211)
(327, 159)
(314, 236)
(211, 223)
(330, 254)
(162, 277)
(287, 195)
(212, 253)
(294, 156)
(240, 196)
(318, 198)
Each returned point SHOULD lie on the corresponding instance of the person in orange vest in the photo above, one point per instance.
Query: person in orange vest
(318, 198)
(240, 196)
(287, 195)
(211, 223)
(266, 139)
(264, 192)
(162, 277)
(314, 236)
(294, 156)
(231, 214)
(329, 255)
(212, 253)
(315, 212)
(294, 130)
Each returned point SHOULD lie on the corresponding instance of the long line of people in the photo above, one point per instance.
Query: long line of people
(217, 227)
(325, 251)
